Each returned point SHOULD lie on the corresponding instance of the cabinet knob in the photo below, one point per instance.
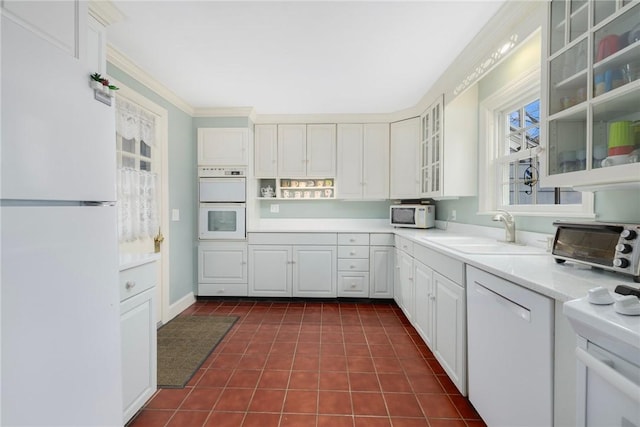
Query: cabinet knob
(352, 239)
(130, 284)
(352, 253)
(352, 266)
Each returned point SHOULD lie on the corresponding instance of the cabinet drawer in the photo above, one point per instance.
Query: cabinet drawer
(353, 265)
(353, 239)
(381, 239)
(137, 279)
(353, 252)
(405, 245)
(353, 285)
(223, 289)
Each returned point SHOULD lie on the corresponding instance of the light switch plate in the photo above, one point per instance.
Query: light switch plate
(175, 214)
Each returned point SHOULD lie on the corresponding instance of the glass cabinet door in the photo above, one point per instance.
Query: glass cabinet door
(616, 52)
(425, 147)
(593, 74)
(568, 79)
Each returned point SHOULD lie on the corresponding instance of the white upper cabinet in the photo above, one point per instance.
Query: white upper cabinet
(321, 150)
(223, 146)
(593, 87)
(363, 165)
(292, 150)
(449, 140)
(307, 150)
(404, 159)
(266, 151)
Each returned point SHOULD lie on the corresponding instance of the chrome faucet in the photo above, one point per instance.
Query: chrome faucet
(509, 225)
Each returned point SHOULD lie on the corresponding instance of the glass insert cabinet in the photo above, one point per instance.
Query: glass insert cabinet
(592, 73)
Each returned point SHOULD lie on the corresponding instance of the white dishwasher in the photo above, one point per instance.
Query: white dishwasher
(510, 352)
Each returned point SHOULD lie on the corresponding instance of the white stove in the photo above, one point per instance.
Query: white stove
(608, 358)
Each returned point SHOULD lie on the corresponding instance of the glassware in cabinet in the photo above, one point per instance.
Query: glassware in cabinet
(568, 78)
(568, 143)
(616, 52)
(616, 130)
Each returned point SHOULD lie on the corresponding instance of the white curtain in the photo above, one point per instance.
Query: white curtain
(137, 207)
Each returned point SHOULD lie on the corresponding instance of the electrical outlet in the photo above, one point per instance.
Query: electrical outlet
(453, 215)
(275, 208)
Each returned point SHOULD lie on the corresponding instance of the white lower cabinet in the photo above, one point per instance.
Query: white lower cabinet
(282, 265)
(381, 269)
(353, 265)
(222, 269)
(138, 337)
(314, 271)
(425, 302)
(405, 296)
(270, 272)
(450, 330)
(432, 296)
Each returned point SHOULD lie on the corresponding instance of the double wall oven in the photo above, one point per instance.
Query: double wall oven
(222, 197)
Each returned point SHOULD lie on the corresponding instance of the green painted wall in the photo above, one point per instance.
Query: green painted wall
(613, 206)
(326, 209)
(182, 189)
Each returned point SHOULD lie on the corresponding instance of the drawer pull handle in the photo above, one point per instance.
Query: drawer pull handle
(130, 284)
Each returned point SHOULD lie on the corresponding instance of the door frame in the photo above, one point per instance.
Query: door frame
(162, 141)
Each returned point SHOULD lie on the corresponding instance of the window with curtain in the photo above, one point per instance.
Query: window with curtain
(137, 183)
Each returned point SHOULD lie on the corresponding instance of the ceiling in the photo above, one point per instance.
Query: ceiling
(298, 57)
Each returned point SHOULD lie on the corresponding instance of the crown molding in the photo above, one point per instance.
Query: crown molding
(123, 62)
(226, 112)
(105, 12)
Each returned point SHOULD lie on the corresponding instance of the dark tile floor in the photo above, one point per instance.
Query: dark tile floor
(313, 364)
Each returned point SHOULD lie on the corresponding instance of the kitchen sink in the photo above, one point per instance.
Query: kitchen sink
(496, 248)
(482, 246)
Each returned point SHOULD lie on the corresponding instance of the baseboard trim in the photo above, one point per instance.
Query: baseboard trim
(181, 305)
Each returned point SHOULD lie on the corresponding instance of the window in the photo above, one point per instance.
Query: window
(513, 157)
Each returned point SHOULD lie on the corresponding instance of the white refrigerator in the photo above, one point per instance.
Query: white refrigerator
(60, 359)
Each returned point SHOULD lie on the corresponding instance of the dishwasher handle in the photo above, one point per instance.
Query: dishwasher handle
(609, 374)
(520, 311)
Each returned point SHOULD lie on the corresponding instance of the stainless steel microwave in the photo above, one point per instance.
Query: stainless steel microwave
(413, 216)
(610, 246)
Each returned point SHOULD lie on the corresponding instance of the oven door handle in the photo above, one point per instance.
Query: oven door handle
(609, 374)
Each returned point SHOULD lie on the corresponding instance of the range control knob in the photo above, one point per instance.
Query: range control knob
(629, 305)
(623, 248)
(628, 234)
(621, 262)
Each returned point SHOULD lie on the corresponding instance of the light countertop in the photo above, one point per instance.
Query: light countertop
(128, 260)
(538, 272)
